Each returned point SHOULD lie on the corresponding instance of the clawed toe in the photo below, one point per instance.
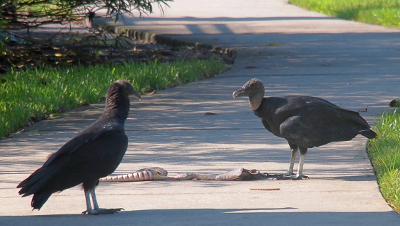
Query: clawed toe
(102, 211)
(288, 177)
(300, 177)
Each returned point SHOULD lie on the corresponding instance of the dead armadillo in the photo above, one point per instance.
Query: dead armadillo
(236, 174)
(146, 174)
(157, 173)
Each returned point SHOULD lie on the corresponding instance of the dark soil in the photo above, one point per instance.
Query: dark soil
(62, 47)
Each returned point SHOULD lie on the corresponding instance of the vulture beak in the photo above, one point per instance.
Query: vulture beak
(128, 89)
(237, 94)
(136, 94)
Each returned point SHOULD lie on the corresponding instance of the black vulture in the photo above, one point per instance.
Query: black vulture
(304, 121)
(394, 103)
(93, 153)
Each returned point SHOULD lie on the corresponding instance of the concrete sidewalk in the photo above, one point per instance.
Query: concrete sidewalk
(292, 51)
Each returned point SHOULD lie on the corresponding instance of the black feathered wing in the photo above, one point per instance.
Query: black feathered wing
(316, 125)
(309, 121)
(91, 133)
(87, 157)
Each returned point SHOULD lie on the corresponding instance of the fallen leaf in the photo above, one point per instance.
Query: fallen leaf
(55, 115)
(266, 189)
(274, 44)
(152, 92)
(251, 67)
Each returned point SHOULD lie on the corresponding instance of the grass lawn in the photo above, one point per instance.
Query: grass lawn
(384, 153)
(381, 12)
(31, 95)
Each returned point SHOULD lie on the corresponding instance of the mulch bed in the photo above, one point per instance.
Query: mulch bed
(65, 47)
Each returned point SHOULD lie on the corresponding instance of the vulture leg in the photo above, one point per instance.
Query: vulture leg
(95, 203)
(293, 150)
(303, 152)
(89, 209)
(96, 210)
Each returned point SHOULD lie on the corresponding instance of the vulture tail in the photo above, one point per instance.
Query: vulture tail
(37, 185)
(39, 199)
(368, 133)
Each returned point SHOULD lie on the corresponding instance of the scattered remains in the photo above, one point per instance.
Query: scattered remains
(157, 173)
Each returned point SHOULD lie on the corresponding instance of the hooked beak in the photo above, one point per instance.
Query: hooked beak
(237, 93)
(134, 93)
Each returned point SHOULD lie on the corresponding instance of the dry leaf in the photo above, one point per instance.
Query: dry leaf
(274, 44)
(266, 189)
(251, 67)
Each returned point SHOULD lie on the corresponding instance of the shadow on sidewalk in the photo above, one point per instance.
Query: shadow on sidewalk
(176, 217)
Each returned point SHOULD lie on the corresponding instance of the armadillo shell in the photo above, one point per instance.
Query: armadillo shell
(146, 174)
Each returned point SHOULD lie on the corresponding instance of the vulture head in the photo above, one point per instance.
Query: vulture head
(117, 99)
(254, 89)
(118, 95)
(122, 87)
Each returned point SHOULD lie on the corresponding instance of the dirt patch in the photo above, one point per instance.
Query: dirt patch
(65, 46)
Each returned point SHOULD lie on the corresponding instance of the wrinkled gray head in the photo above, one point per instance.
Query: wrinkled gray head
(254, 89)
(250, 88)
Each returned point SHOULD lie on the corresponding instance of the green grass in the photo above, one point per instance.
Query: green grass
(384, 153)
(34, 94)
(381, 12)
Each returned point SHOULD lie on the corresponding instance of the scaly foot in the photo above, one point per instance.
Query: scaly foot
(290, 177)
(101, 211)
